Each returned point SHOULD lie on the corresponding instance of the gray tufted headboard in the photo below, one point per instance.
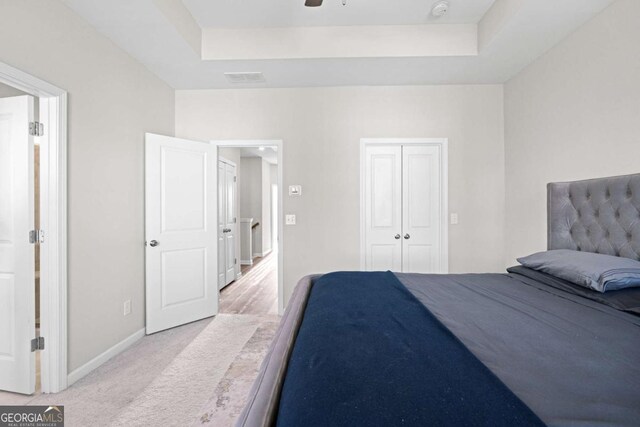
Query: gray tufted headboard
(596, 215)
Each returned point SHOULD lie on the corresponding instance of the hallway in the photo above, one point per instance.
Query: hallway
(256, 292)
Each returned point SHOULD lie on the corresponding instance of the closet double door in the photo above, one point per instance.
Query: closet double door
(404, 208)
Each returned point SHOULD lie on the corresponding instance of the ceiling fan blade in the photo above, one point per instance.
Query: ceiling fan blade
(313, 3)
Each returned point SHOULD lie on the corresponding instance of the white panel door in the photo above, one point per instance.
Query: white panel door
(227, 223)
(230, 223)
(383, 208)
(17, 263)
(181, 250)
(222, 199)
(421, 210)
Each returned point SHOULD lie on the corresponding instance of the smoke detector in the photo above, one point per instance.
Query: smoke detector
(440, 9)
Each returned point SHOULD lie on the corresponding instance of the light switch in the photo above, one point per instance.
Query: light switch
(290, 219)
(454, 218)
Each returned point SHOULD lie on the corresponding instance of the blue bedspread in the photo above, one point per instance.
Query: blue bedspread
(368, 353)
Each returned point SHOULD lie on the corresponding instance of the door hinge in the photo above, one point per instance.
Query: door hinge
(235, 260)
(36, 236)
(235, 179)
(36, 129)
(234, 220)
(37, 344)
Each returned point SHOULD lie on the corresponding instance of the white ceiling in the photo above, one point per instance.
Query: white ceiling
(293, 13)
(140, 28)
(269, 155)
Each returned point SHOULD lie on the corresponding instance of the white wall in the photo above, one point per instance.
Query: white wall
(321, 129)
(251, 197)
(8, 91)
(573, 114)
(231, 154)
(255, 201)
(273, 175)
(113, 100)
(266, 207)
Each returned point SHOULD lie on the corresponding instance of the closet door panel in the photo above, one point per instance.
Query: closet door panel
(383, 208)
(421, 210)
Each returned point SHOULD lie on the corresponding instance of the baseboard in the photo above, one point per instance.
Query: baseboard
(246, 262)
(104, 356)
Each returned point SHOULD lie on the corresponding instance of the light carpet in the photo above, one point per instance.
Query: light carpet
(230, 395)
(202, 378)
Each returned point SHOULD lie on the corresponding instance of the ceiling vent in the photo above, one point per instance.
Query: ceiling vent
(245, 77)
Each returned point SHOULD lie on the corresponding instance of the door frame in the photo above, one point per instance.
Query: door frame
(443, 144)
(232, 143)
(53, 220)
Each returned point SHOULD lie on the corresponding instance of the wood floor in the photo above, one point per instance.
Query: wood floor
(256, 292)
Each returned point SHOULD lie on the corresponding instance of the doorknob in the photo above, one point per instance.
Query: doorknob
(407, 237)
(397, 236)
(153, 243)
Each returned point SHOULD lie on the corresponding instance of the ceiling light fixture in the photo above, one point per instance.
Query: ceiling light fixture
(440, 9)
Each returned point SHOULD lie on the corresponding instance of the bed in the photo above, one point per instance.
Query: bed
(520, 348)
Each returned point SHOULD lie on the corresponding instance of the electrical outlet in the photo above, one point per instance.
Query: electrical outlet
(127, 307)
(290, 219)
(454, 218)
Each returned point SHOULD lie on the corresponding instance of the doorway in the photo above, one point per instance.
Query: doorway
(182, 265)
(32, 234)
(258, 284)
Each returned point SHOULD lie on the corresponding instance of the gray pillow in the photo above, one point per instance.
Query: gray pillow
(599, 272)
